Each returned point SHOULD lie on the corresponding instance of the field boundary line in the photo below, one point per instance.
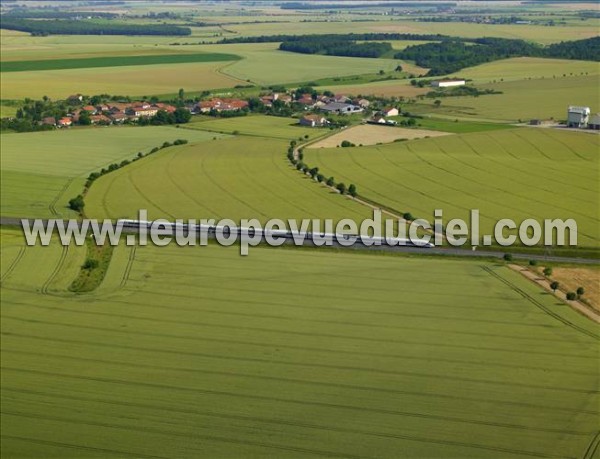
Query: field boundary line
(544, 308)
(14, 264)
(545, 284)
(593, 447)
(57, 268)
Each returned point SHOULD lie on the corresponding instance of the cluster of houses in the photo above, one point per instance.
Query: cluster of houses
(112, 113)
(381, 117)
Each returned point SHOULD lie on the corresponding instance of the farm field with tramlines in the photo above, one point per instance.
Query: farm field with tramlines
(132, 341)
(518, 174)
(365, 364)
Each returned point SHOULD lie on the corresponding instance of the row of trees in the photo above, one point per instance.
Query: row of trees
(316, 175)
(451, 55)
(335, 37)
(87, 27)
(336, 47)
(77, 203)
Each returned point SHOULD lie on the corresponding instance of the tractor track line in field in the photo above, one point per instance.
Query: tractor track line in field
(315, 383)
(196, 435)
(541, 306)
(128, 266)
(238, 417)
(57, 268)
(513, 337)
(14, 264)
(52, 205)
(593, 447)
(370, 370)
(302, 348)
(80, 447)
(253, 396)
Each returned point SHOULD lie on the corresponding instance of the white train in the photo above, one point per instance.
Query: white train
(317, 238)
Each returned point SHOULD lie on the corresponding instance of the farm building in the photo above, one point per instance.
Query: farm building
(578, 117)
(342, 108)
(390, 111)
(312, 121)
(447, 83)
(594, 122)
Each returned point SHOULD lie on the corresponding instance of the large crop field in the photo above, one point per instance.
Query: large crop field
(241, 177)
(518, 174)
(311, 354)
(130, 80)
(526, 99)
(42, 171)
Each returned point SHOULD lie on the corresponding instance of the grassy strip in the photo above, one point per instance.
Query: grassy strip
(114, 61)
(94, 268)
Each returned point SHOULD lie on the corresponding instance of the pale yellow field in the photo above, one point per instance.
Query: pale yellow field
(134, 80)
(370, 134)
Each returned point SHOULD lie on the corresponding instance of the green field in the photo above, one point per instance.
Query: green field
(456, 126)
(430, 358)
(241, 177)
(41, 171)
(257, 125)
(523, 100)
(114, 61)
(518, 174)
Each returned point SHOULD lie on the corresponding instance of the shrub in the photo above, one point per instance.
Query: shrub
(347, 143)
(532, 262)
(77, 203)
(90, 264)
(407, 216)
(547, 271)
(508, 257)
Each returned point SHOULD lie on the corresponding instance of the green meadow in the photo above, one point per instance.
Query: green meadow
(334, 355)
(41, 171)
(113, 61)
(518, 174)
(258, 125)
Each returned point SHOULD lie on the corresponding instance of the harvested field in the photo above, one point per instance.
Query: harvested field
(371, 134)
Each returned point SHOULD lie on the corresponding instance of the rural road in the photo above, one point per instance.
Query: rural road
(16, 222)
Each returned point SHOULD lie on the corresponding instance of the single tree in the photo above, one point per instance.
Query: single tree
(320, 178)
(532, 262)
(181, 94)
(330, 181)
(407, 216)
(571, 296)
(554, 286)
(77, 203)
(547, 271)
(437, 103)
(399, 68)
(508, 257)
(352, 190)
(580, 291)
(341, 188)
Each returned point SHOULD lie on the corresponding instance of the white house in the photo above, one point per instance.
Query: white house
(390, 111)
(578, 117)
(312, 121)
(447, 83)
